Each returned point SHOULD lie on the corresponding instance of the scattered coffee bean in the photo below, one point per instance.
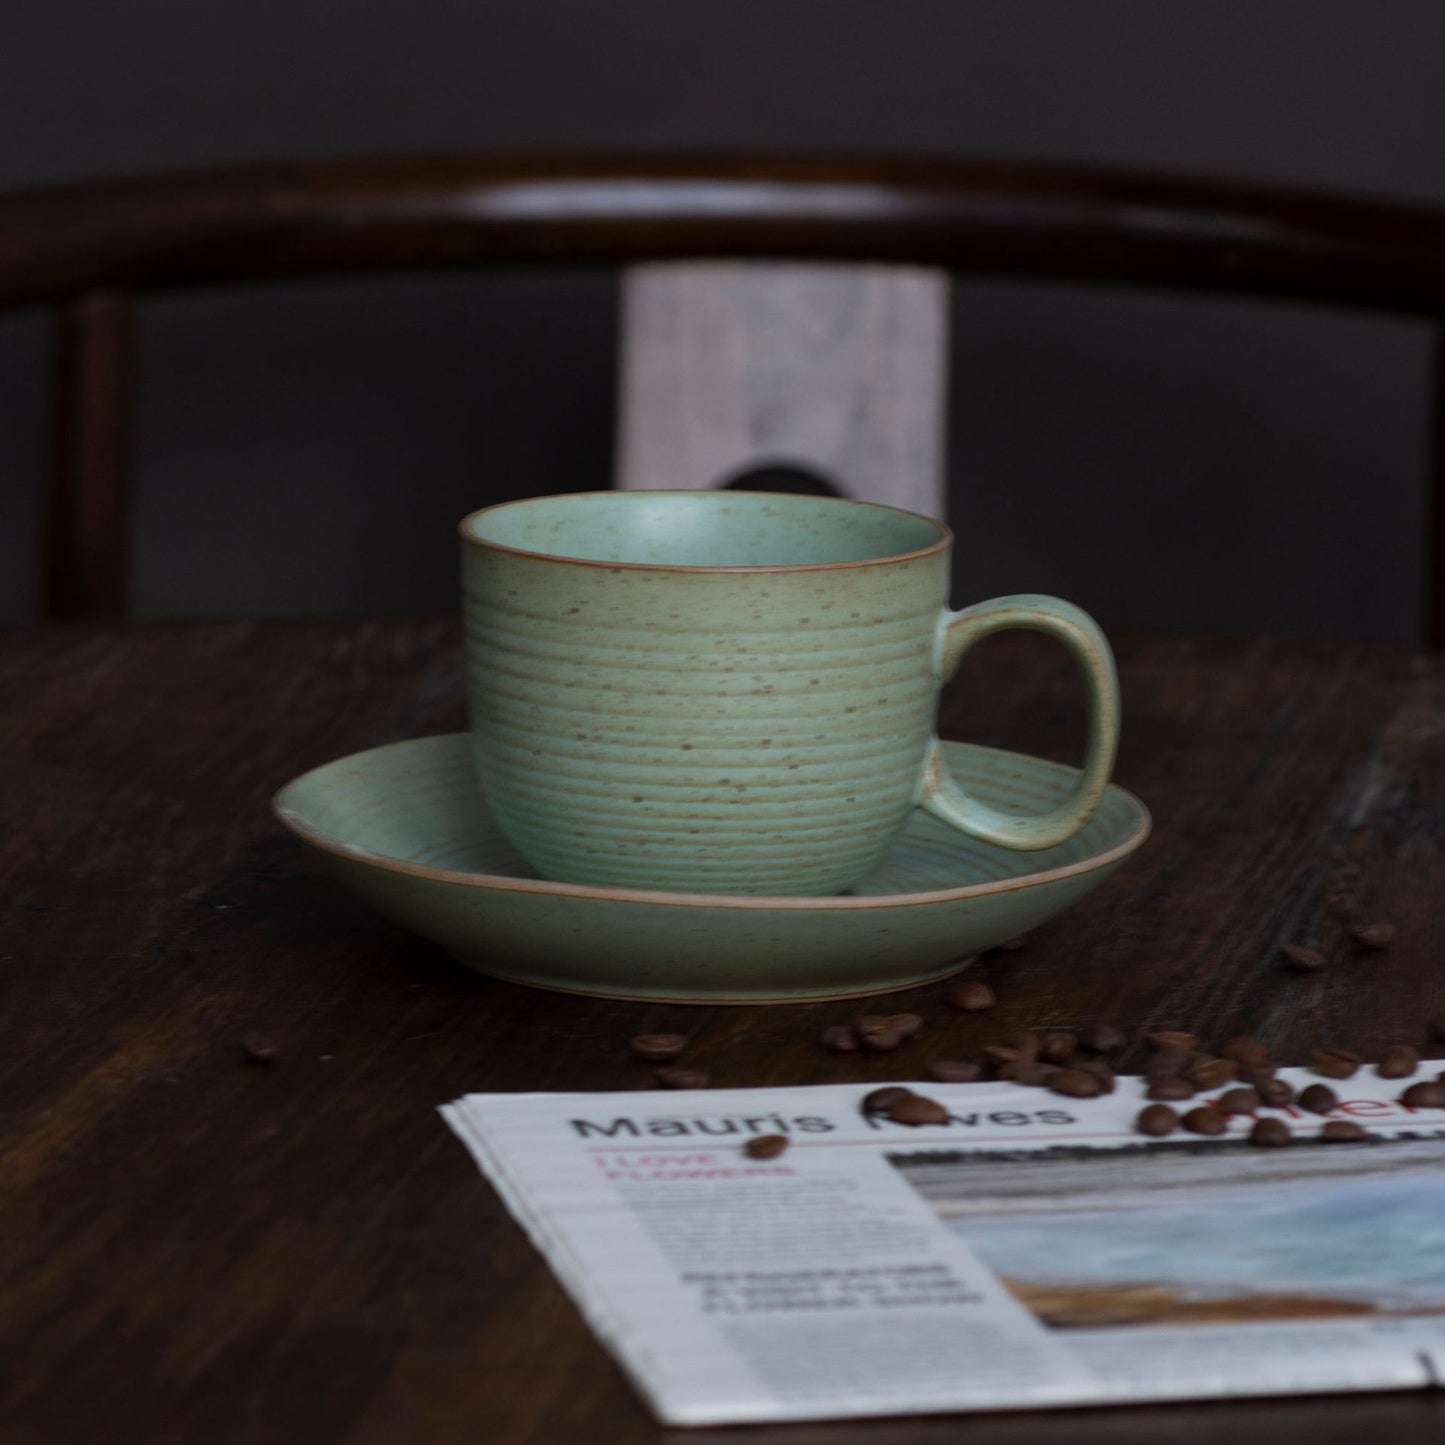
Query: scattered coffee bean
(1170, 1086)
(1270, 1134)
(1317, 1098)
(1342, 1131)
(1010, 945)
(881, 1100)
(1102, 1038)
(1205, 1120)
(1166, 1061)
(1033, 1072)
(765, 1146)
(972, 996)
(658, 1046)
(259, 1050)
(1275, 1093)
(1056, 1046)
(953, 1071)
(1239, 1101)
(1001, 1054)
(1427, 1094)
(1164, 1039)
(1211, 1073)
(1374, 935)
(1397, 1061)
(1075, 1083)
(875, 1024)
(908, 1025)
(679, 1078)
(916, 1110)
(1246, 1051)
(1334, 1063)
(1026, 1042)
(1100, 1070)
(840, 1038)
(1156, 1120)
(880, 1041)
(1301, 959)
(1256, 1074)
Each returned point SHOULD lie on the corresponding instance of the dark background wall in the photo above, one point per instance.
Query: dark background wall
(1165, 461)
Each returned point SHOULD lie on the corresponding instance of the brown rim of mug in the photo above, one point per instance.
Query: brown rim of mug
(944, 539)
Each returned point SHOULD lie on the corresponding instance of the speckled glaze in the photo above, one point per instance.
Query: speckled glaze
(405, 826)
(731, 692)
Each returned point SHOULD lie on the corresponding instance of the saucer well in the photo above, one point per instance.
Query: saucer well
(405, 827)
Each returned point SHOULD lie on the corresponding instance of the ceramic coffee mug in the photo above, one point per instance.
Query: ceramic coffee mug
(732, 692)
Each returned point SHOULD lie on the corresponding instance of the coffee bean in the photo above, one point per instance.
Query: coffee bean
(972, 996)
(1428, 1094)
(1270, 1134)
(1056, 1046)
(1205, 1120)
(1170, 1086)
(1211, 1073)
(1334, 1063)
(1239, 1101)
(1275, 1093)
(840, 1038)
(1317, 1098)
(1300, 959)
(1026, 1042)
(1100, 1070)
(1101, 1038)
(678, 1078)
(259, 1050)
(1256, 1074)
(1076, 1084)
(1374, 935)
(1163, 1039)
(880, 1041)
(916, 1110)
(1342, 1131)
(658, 1046)
(1397, 1061)
(1156, 1120)
(952, 1071)
(881, 1100)
(1166, 1061)
(1033, 1072)
(1245, 1051)
(875, 1024)
(1010, 945)
(907, 1025)
(1001, 1054)
(765, 1146)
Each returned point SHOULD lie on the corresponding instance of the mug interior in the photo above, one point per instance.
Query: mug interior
(704, 529)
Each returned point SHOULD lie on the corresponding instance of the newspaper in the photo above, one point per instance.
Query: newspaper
(1032, 1251)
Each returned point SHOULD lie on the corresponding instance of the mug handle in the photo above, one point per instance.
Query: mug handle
(1080, 634)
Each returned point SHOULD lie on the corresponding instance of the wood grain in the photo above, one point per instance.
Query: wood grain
(198, 1248)
(728, 366)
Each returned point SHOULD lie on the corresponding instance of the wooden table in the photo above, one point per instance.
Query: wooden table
(197, 1248)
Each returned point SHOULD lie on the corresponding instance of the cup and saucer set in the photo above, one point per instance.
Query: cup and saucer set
(701, 762)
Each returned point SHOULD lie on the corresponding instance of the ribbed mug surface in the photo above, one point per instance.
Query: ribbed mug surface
(724, 693)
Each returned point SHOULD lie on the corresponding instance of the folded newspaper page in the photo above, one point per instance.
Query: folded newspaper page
(1031, 1250)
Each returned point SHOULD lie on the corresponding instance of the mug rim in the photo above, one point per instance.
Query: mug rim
(942, 541)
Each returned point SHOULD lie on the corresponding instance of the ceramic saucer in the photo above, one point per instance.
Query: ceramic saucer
(405, 827)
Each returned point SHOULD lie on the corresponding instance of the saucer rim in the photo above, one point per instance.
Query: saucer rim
(656, 897)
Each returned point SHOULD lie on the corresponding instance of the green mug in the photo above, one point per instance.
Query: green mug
(732, 692)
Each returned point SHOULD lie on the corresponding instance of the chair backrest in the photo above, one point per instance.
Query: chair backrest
(86, 249)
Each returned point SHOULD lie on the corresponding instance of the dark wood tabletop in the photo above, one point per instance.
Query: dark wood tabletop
(194, 1247)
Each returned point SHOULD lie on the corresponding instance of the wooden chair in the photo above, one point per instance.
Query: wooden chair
(85, 250)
